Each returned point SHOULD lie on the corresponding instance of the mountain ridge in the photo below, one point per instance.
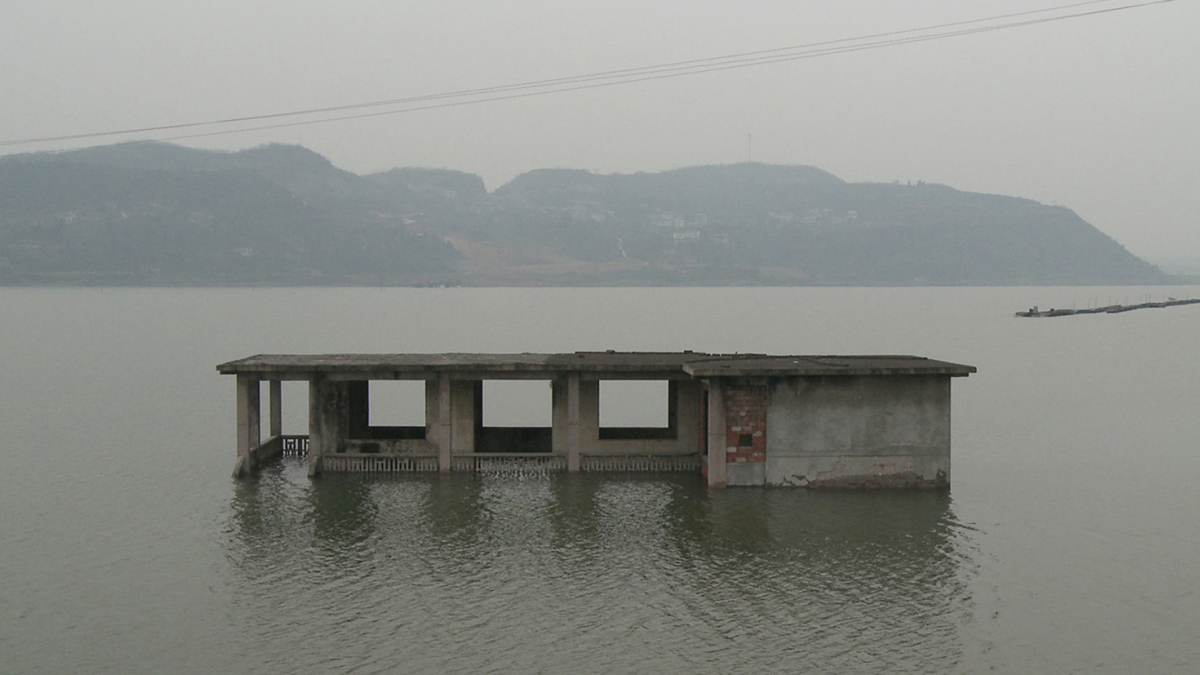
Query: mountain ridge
(155, 213)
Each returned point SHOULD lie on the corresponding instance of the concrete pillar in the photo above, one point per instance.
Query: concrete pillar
(574, 440)
(431, 411)
(249, 433)
(276, 408)
(673, 406)
(463, 409)
(328, 420)
(445, 425)
(314, 427)
(477, 432)
(716, 434)
(558, 416)
(589, 415)
(686, 415)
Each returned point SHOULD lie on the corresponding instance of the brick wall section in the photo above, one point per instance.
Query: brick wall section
(746, 415)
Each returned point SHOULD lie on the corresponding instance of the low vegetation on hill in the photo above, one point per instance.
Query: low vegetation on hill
(159, 214)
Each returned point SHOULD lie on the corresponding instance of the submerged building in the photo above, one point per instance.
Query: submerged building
(740, 419)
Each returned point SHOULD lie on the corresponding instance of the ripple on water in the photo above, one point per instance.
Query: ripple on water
(595, 574)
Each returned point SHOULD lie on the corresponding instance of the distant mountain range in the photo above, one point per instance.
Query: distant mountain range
(160, 214)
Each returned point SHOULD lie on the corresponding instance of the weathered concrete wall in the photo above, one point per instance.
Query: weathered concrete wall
(453, 416)
(587, 416)
(559, 416)
(438, 418)
(865, 431)
(819, 431)
(787, 420)
(432, 408)
(713, 466)
(249, 431)
(462, 415)
(328, 420)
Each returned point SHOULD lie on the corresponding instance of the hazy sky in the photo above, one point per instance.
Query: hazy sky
(1098, 114)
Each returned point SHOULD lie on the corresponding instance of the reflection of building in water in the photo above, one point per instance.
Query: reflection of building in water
(878, 578)
(808, 421)
(343, 514)
(461, 563)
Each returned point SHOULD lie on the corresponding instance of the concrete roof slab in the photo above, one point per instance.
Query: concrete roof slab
(652, 365)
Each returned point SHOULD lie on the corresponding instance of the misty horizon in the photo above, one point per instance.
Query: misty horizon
(1092, 113)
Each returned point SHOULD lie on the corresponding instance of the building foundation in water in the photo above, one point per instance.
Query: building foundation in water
(740, 419)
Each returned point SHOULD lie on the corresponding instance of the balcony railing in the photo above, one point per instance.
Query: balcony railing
(371, 464)
(490, 463)
(294, 446)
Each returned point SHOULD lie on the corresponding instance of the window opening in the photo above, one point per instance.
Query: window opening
(516, 417)
(636, 409)
(397, 403)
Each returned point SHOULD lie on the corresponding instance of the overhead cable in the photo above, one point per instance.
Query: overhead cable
(615, 77)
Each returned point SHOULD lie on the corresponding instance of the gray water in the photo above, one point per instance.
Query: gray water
(1068, 542)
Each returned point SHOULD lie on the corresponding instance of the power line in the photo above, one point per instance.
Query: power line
(562, 80)
(622, 76)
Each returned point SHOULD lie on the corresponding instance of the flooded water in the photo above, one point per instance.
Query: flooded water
(1067, 542)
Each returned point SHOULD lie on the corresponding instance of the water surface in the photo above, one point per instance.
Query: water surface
(1067, 542)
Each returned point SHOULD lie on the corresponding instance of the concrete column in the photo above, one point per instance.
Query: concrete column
(328, 420)
(276, 408)
(431, 411)
(688, 416)
(673, 406)
(716, 434)
(314, 428)
(463, 409)
(477, 432)
(558, 417)
(574, 440)
(445, 425)
(249, 433)
(589, 415)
